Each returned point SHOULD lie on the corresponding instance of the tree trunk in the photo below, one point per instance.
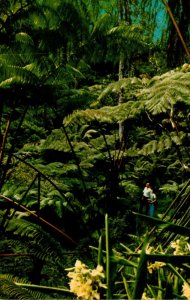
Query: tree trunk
(123, 15)
(121, 100)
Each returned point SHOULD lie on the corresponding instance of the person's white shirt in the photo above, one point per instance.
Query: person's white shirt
(146, 192)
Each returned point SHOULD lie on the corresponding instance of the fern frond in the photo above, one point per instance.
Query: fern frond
(9, 289)
(107, 114)
(169, 187)
(90, 133)
(125, 111)
(35, 240)
(142, 165)
(87, 116)
(166, 90)
(54, 200)
(164, 142)
(177, 138)
(127, 31)
(74, 71)
(23, 37)
(101, 25)
(15, 191)
(17, 75)
(154, 146)
(124, 84)
(174, 167)
(127, 36)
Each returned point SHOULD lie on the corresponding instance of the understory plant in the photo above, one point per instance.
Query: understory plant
(140, 271)
(145, 268)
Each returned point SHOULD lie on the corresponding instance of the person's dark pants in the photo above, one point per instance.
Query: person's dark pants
(144, 205)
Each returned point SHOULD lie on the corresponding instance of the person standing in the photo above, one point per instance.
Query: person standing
(151, 204)
(144, 203)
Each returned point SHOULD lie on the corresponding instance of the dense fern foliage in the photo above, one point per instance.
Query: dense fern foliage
(89, 112)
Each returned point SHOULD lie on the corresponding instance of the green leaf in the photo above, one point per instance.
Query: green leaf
(23, 37)
(141, 276)
(184, 231)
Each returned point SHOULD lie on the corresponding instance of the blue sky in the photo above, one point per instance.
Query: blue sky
(161, 23)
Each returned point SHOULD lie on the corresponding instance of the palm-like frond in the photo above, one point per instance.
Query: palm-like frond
(169, 187)
(129, 86)
(128, 31)
(16, 74)
(23, 37)
(164, 142)
(107, 114)
(101, 25)
(9, 290)
(126, 36)
(166, 90)
(35, 240)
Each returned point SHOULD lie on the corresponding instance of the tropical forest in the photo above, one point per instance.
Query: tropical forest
(94, 149)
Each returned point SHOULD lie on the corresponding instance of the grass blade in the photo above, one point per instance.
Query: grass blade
(108, 281)
(141, 275)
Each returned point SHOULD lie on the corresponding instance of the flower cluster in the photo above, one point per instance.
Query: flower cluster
(149, 250)
(181, 247)
(186, 290)
(155, 266)
(86, 283)
(144, 297)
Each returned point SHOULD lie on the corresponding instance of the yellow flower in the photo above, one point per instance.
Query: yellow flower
(74, 286)
(186, 290)
(175, 245)
(149, 249)
(98, 272)
(86, 283)
(155, 266)
(84, 291)
(181, 247)
(80, 266)
(144, 297)
(95, 295)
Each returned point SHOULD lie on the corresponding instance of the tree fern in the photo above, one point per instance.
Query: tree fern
(106, 114)
(125, 36)
(101, 25)
(170, 187)
(17, 74)
(35, 240)
(165, 91)
(130, 86)
(128, 32)
(164, 142)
